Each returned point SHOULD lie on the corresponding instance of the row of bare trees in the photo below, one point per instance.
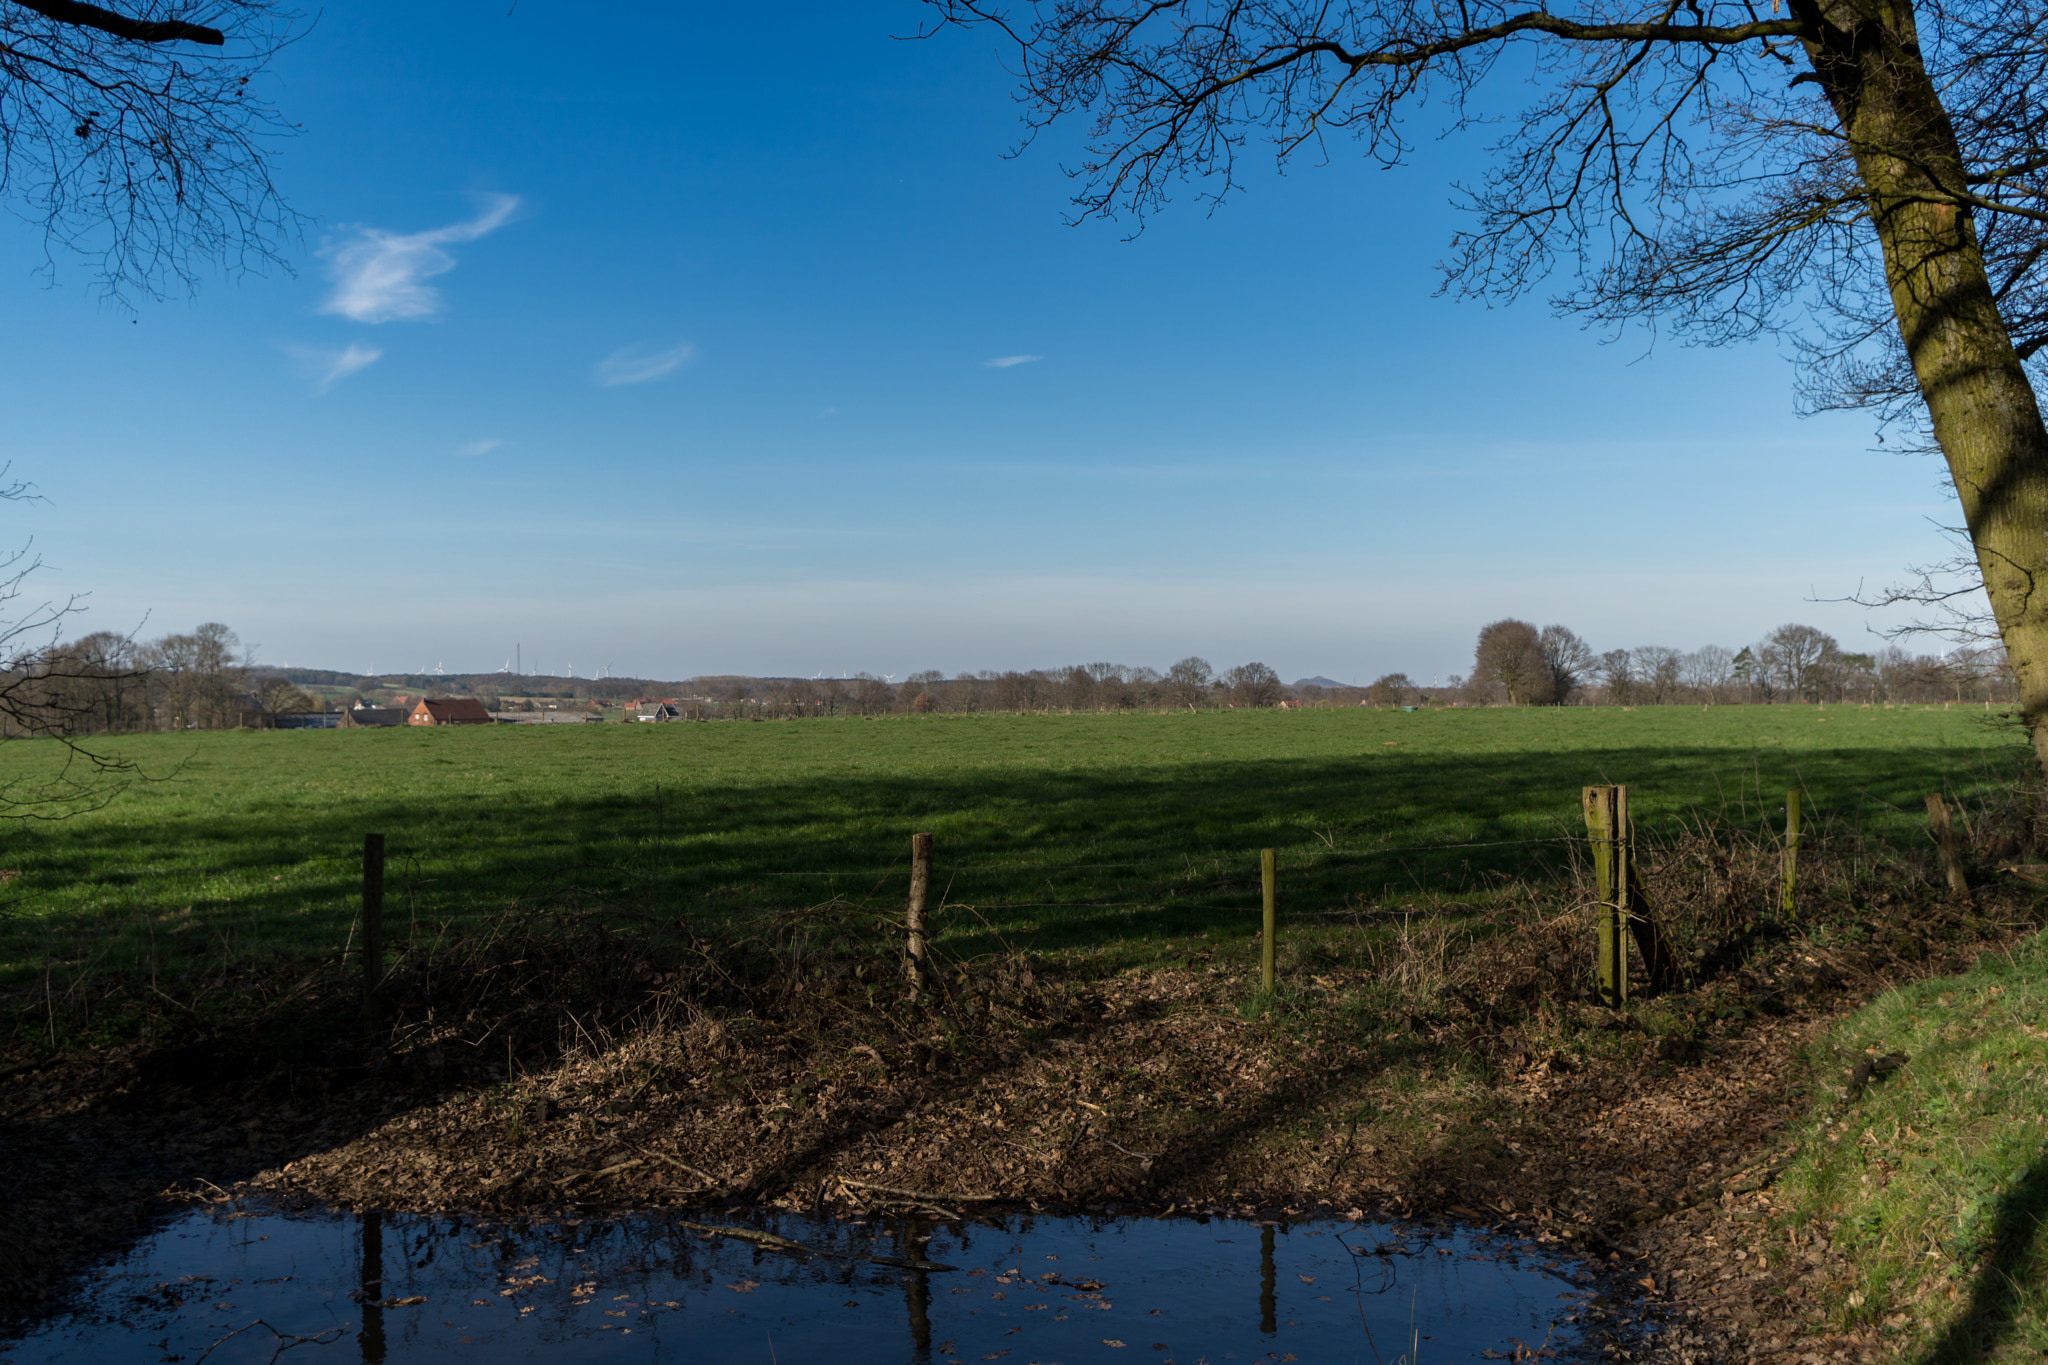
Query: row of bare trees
(1191, 684)
(108, 683)
(1516, 664)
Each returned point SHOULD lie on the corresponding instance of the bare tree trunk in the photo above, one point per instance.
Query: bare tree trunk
(1983, 410)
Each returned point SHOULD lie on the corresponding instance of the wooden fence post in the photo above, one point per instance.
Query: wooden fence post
(915, 968)
(373, 929)
(1787, 902)
(1606, 827)
(1267, 875)
(1945, 837)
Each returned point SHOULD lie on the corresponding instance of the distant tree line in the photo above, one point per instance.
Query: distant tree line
(107, 683)
(1191, 684)
(1516, 664)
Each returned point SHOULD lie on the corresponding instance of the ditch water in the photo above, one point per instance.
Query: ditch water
(235, 1287)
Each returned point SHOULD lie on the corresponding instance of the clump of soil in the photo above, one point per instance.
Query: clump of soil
(583, 1062)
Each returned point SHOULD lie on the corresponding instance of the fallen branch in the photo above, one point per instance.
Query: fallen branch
(775, 1243)
(1144, 1159)
(914, 1206)
(757, 1237)
(600, 1175)
(684, 1166)
(919, 1194)
(1693, 1198)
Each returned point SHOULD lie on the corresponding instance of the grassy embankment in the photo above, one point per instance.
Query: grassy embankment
(1933, 1180)
(1130, 836)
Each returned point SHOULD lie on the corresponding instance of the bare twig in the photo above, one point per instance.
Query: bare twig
(285, 1340)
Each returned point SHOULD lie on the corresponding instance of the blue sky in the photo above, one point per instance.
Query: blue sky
(671, 344)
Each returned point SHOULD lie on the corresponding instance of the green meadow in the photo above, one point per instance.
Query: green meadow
(1053, 832)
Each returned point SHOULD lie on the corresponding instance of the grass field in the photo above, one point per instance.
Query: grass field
(1056, 831)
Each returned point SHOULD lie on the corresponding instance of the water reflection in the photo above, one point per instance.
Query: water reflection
(1268, 1302)
(370, 1259)
(411, 1289)
(917, 1289)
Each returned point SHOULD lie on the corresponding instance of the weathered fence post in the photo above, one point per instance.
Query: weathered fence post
(1607, 828)
(1267, 875)
(915, 968)
(1945, 838)
(373, 929)
(1788, 903)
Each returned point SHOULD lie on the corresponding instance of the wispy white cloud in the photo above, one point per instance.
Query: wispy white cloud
(327, 366)
(381, 276)
(638, 364)
(483, 447)
(1004, 362)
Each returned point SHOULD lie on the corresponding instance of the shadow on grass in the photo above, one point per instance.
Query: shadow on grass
(1999, 1296)
(1051, 858)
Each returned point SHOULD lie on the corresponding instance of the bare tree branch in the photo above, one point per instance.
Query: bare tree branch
(147, 158)
(121, 26)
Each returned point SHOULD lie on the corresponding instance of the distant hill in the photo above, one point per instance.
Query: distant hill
(467, 684)
(542, 685)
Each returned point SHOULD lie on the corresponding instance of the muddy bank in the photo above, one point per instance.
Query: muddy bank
(573, 1068)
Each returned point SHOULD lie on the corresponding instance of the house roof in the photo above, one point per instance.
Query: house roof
(454, 710)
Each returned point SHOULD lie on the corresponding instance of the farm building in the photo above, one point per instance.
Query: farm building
(371, 717)
(448, 711)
